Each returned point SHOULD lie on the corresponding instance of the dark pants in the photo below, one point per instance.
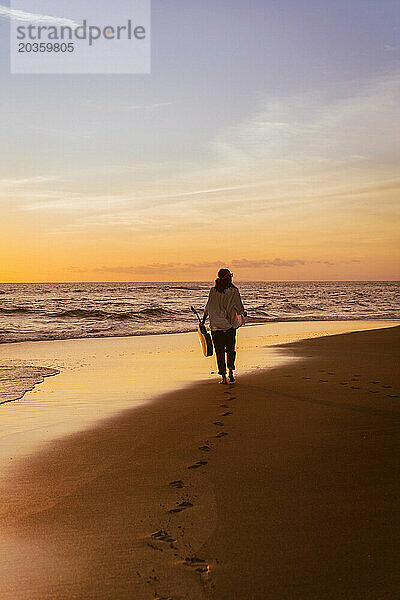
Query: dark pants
(224, 341)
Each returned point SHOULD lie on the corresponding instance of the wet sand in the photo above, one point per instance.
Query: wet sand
(99, 377)
(284, 485)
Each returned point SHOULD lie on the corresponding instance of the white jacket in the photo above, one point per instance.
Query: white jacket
(223, 308)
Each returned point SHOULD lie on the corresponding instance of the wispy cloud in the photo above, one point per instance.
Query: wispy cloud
(244, 263)
(144, 107)
(66, 201)
(202, 269)
(156, 268)
(363, 122)
(186, 267)
(20, 15)
(26, 181)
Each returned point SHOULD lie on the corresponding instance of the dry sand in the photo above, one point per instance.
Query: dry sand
(285, 487)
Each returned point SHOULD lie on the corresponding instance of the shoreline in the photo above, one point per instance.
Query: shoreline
(296, 500)
(15, 381)
(382, 320)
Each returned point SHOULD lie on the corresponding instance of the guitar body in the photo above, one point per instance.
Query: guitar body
(205, 340)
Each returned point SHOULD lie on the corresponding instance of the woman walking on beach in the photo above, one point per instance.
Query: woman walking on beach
(226, 312)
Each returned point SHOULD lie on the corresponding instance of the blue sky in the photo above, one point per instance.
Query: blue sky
(213, 65)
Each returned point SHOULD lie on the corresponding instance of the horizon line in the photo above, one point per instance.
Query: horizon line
(208, 281)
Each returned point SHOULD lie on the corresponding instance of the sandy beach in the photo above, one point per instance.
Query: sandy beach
(283, 485)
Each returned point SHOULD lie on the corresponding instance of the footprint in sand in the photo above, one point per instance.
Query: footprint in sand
(221, 434)
(324, 380)
(306, 377)
(198, 564)
(218, 423)
(374, 382)
(178, 483)
(154, 547)
(344, 383)
(163, 536)
(198, 464)
(205, 448)
(181, 506)
(225, 414)
(224, 406)
(355, 387)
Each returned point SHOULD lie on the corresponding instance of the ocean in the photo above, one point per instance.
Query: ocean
(49, 311)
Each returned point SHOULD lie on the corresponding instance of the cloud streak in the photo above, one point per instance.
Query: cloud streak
(14, 14)
(364, 122)
(145, 107)
(204, 268)
(185, 267)
(244, 263)
(27, 181)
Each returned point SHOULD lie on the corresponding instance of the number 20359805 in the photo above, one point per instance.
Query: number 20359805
(45, 47)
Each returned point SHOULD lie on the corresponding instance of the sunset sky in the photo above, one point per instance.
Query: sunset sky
(266, 138)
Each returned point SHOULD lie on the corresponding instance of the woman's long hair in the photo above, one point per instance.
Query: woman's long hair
(224, 280)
